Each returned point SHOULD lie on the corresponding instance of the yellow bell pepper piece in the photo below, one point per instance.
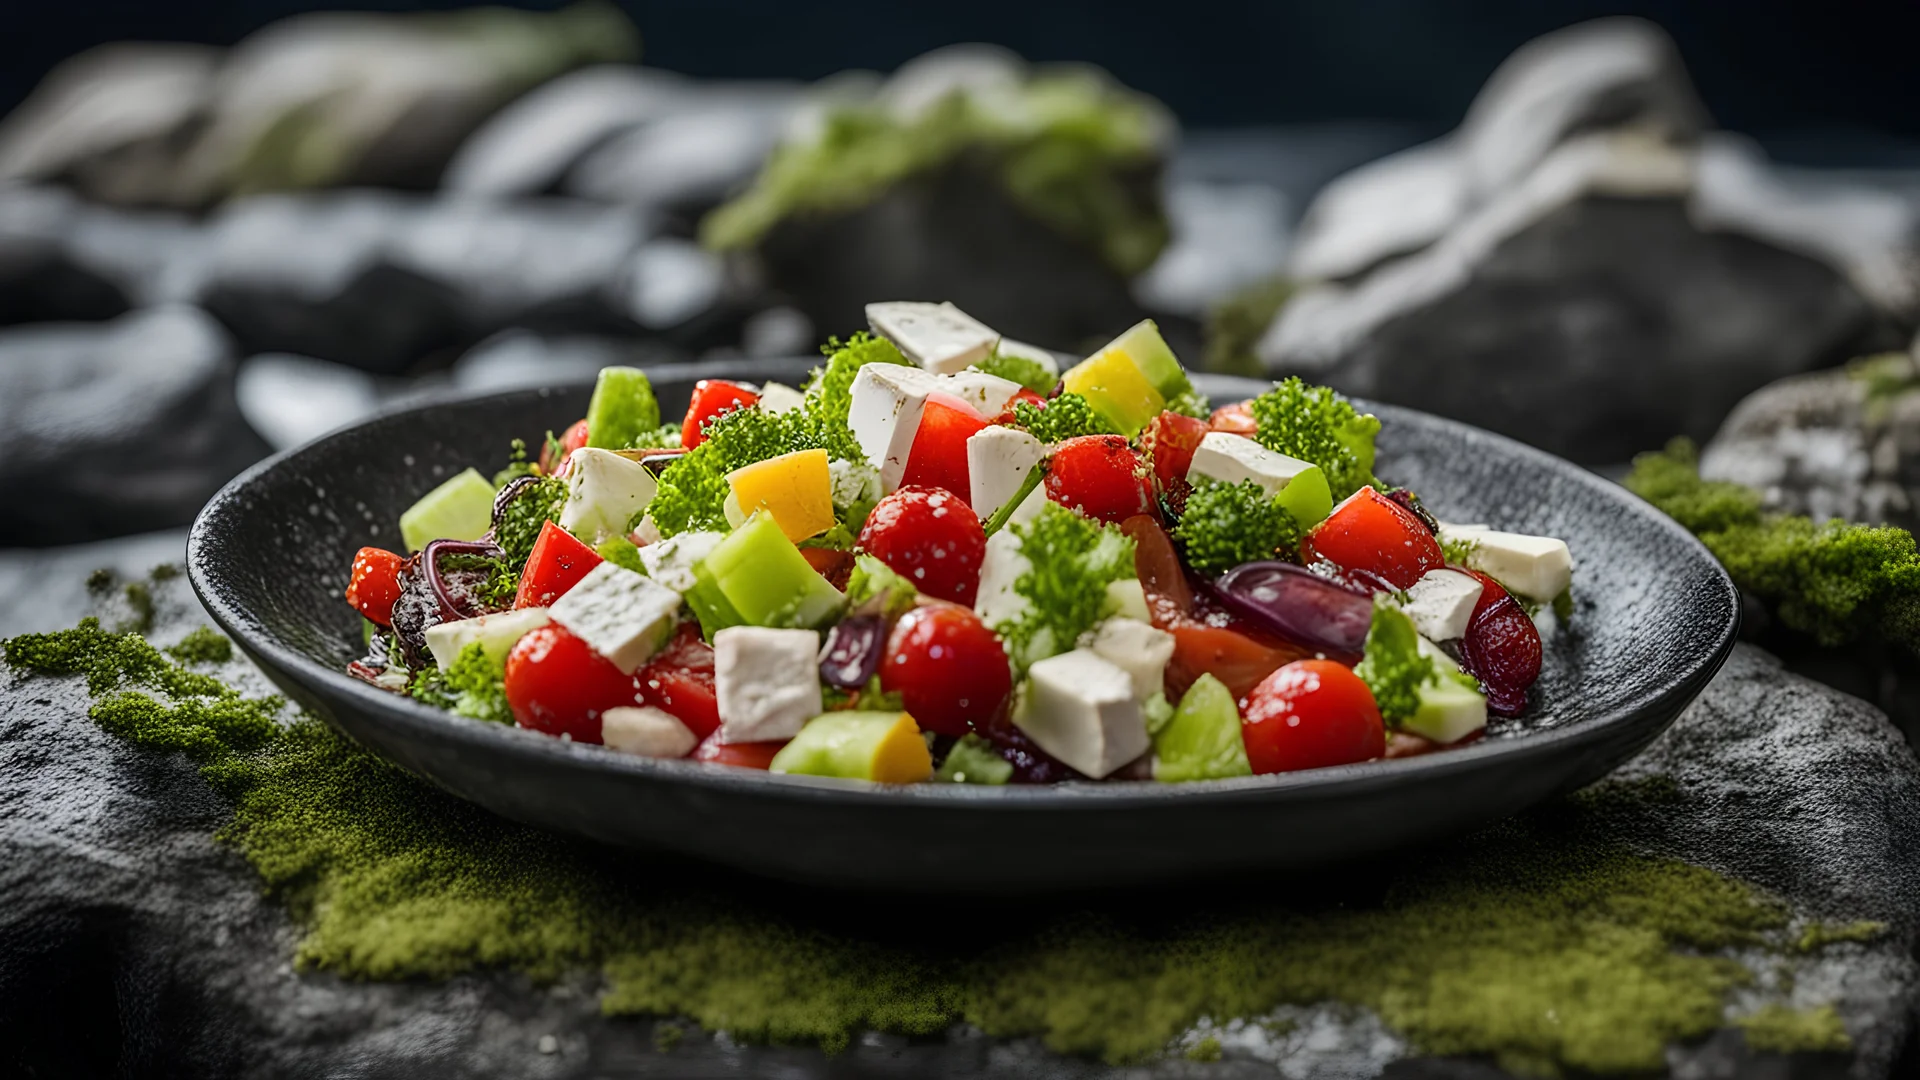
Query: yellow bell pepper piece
(795, 488)
(1114, 385)
(884, 747)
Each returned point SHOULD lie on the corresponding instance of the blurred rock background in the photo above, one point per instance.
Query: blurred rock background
(209, 251)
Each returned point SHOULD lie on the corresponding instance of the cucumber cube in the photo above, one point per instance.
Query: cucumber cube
(460, 509)
(1202, 741)
(881, 746)
(759, 578)
(622, 409)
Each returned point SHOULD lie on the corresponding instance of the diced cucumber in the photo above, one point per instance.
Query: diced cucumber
(622, 409)
(621, 551)
(764, 579)
(880, 746)
(1307, 497)
(460, 509)
(1202, 741)
(973, 761)
(1449, 710)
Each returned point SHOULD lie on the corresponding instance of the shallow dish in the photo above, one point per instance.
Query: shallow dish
(1656, 617)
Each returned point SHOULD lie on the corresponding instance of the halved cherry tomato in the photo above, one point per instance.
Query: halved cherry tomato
(1101, 477)
(556, 683)
(938, 458)
(711, 397)
(374, 584)
(1007, 415)
(557, 563)
(949, 669)
(1236, 658)
(834, 565)
(1309, 715)
(744, 755)
(1372, 533)
(679, 680)
(1169, 597)
(572, 439)
(1169, 443)
(1501, 648)
(1234, 419)
(931, 537)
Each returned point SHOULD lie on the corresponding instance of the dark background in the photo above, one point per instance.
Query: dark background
(1819, 83)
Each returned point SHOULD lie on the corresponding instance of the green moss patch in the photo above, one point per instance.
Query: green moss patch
(1540, 942)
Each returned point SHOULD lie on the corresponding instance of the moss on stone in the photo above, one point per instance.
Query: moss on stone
(1064, 146)
(1819, 935)
(1778, 1029)
(1206, 1050)
(1236, 323)
(1540, 942)
(140, 603)
(202, 645)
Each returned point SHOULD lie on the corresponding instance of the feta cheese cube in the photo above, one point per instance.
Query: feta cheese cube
(888, 400)
(496, 633)
(998, 461)
(1441, 603)
(995, 601)
(779, 398)
(671, 561)
(1137, 648)
(646, 731)
(1080, 707)
(1536, 567)
(604, 492)
(621, 615)
(939, 337)
(766, 682)
(1231, 458)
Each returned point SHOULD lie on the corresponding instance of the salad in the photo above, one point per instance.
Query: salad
(943, 559)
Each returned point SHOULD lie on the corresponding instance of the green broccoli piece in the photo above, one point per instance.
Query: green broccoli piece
(522, 518)
(1225, 525)
(1071, 561)
(1024, 370)
(474, 686)
(693, 489)
(1393, 667)
(621, 551)
(829, 390)
(1834, 581)
(872, 578)
(1316, 425)
(664, 437)
(1065, 417)
(1190, 402)
(517, 465)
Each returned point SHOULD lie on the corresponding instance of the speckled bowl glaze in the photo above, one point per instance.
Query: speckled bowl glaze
(1656, 618)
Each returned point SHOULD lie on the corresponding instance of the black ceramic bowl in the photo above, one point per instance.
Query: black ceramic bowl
(1656, 617)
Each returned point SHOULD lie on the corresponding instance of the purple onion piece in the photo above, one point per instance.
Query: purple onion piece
(430, 563)
(1503, 698)
(1411, 503)
(1298, 605)
(852, 652)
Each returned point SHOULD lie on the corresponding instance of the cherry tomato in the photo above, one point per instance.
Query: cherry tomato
(556, 683)
(1101, 477)
(931, 537)
(557, 563)
(1169, 443)
(836, 566)
(939, 455)
(949, 669)
(1501, 648)
(1007, 415)
(1169, 596)
(1309, 715)
(711, 397)
(744, 755)
(1238, 659)
(1234, 419)
(572, 439)
(1372, 533)
(679, 680)
(375, 583)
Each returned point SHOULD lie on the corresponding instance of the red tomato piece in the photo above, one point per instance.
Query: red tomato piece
(743, 755)
(938, 458)
(1100, 476)
(1238, 660)
(1234, 419)
(556, 683)
(557, 563)
(1169, 443)
(711, 397)
(1372, 533)
(1007, 415)
(572, 439)
(931, 537)
(374, 584)
(1309, 715)
(836, 566)
(679, 680)
(1501, 648)
(950, 670)
(1157, 563)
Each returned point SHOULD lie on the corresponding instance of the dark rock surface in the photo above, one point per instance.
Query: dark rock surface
(40, 281)
(117, 427)
(1580, 266)
(130, 943)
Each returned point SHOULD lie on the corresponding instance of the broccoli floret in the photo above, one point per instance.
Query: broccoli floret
(1316, 425)
(1024, 370)
(1225, 525)
(1393, 666)
(474, 686)
(829, 390)
(521, 519)
(1835, 581)
(693, 489)
(872, 578)
(1065, 417)
(1190, 402)
(1071, 561)
(621, 551)
(517, 465)
(1457, 550)
(664, 437)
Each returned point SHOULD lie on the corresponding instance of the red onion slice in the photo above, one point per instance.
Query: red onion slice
(852, 652)
(1298, 605)
(450, 609)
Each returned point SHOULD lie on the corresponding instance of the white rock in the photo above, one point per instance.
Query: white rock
(767, 682)
(646, 731)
